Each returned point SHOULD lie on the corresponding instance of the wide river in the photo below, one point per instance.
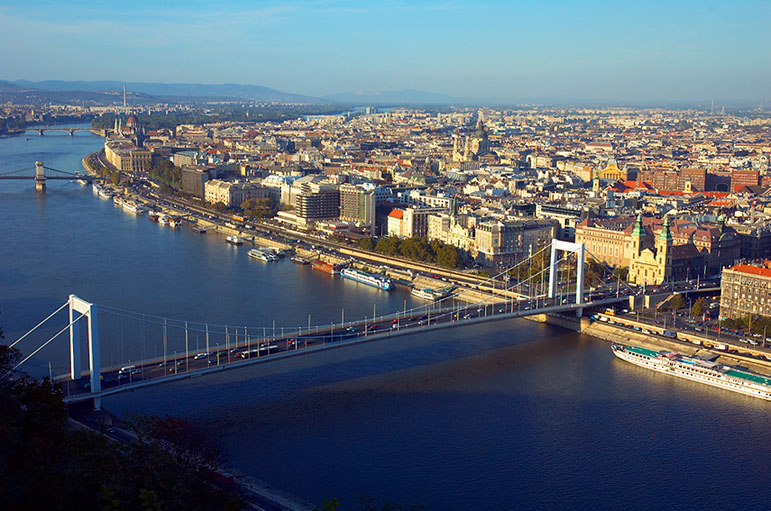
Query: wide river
(508, 415)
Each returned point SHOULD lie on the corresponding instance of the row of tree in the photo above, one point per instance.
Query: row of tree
(268, 113)
(415, 249)
(166, 172)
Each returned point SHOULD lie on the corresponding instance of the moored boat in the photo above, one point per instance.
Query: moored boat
(326, 267)
(427, 293)
(133, 207)
(377, 281)
(733, 378)
(235, 240)
(262, 255)
(299, 260)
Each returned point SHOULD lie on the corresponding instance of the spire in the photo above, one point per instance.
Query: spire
(638, 230)
(666, 234)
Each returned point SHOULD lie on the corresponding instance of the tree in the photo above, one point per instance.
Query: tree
(699, 307)
(259, 208)
(366, 243)
(448, 257)
(388, 245)
(676, 303)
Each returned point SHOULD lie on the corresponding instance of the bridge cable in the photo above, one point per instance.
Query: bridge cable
(36, 326)
(43, 345)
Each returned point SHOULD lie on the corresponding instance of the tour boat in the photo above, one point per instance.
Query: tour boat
(733, 378)
(377, 281)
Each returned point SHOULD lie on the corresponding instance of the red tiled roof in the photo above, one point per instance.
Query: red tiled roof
(753, 270)
(396, 213)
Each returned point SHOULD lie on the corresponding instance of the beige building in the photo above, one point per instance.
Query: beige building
(127, 157)
(411, 222)
(745, 289)
(232, 194)
(499, 242)
(357, 205)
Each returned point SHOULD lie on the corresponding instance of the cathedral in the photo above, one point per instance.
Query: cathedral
(664, 262)
(474, 146)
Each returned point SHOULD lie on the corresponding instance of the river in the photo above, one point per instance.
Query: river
(505, 415)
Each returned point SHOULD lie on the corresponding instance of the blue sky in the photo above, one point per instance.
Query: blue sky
(511, 51)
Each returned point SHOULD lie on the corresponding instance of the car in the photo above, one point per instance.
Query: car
(126, 370)
(200, 356)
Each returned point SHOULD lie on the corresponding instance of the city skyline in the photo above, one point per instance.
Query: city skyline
(595, 52)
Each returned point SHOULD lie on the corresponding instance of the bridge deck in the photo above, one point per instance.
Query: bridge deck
(446, 318)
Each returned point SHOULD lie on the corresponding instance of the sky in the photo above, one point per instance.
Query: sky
(514, 51)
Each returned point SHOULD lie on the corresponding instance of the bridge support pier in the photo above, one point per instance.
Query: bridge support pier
(578, 249)
(40, 177)
(78, 305)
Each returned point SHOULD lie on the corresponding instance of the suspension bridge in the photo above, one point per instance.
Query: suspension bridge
(149, 350)
(41, 173)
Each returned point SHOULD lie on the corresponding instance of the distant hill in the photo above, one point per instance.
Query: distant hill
(400, 97)
(9, 87)
(199, 90)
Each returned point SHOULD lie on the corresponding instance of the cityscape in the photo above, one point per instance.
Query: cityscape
(481, 291)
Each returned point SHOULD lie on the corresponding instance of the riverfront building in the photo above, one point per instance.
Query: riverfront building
(746, 289)
(127, 157)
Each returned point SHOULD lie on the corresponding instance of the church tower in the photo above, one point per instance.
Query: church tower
(664, 253)
(638, 237)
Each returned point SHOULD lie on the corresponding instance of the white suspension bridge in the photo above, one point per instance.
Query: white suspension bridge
(149, 350)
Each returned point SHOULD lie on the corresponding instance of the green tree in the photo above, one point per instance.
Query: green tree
(388, 245)
(367, 244)
(448, 257)
(622, 272)
(259, 208)
(676, 303)
(699, 307)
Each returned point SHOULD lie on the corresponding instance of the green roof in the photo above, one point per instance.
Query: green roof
(763, 380)
(643, 351)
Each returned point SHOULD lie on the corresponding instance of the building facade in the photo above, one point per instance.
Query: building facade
(745, 290)
(127, 157)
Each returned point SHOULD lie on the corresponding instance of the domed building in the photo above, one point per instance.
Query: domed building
(132, 123)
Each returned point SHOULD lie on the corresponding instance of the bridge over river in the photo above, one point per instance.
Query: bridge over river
(556, 288)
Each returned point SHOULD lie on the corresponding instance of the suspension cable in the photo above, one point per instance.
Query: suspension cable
(44, 345)
(36, 326)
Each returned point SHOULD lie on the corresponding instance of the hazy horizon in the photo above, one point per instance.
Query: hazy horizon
(593, 52)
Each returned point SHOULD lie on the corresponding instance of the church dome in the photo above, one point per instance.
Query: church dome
(132, 121)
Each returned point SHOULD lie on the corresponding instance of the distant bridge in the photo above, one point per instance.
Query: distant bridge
(40, 173)
(71, 131)
(228, 347)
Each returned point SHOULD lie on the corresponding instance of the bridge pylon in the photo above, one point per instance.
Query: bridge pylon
(578, 249)
(40, 177)
(78, 305)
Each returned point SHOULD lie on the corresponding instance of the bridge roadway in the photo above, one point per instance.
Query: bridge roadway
(157, 371)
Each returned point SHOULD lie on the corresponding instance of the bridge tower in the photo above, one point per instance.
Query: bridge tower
(578, 249)
(79, 306)
(40, 177)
